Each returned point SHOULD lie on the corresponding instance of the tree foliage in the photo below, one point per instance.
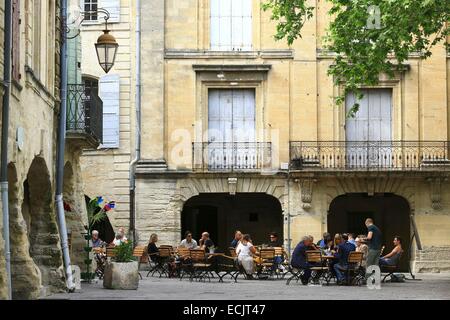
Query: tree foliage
(367, 37)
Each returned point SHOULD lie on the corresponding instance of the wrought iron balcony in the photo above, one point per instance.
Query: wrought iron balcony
(84, 116)
(370, 155)
(231, 157)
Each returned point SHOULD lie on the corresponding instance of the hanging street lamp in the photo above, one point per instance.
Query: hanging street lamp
(106, 48)
(106, 45)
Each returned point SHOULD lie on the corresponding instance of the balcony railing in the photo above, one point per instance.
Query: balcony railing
(226, 157)
(84, 114)
(370, 155)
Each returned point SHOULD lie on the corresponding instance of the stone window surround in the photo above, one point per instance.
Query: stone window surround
(396, 85)
(236, 77)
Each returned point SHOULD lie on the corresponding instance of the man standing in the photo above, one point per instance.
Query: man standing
(374, 242)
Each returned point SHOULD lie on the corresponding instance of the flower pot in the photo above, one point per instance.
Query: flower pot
(121, 276)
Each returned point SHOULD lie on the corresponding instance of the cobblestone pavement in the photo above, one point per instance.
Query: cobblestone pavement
(432, 286)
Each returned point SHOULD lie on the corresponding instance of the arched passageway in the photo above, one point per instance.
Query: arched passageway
(25, 275)
(43, 236)
(390, 212)
(222, 214)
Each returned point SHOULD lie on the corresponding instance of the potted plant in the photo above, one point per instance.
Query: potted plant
(122, 271)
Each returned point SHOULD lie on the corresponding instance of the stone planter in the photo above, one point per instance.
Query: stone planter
(121, 276)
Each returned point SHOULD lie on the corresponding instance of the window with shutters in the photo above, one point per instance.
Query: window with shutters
(16, 41)
(231, 25)
(109, 92)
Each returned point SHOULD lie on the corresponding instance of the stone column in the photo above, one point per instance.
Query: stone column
(152, 52)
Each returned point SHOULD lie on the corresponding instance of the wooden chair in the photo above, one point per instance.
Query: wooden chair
(226, 266)
(280, 254)
(319, 270)
(354, 268)
(139, 253)
(183, 261)
(161, 261)
(200, 265)
(266, 262)
(390, 270)
(110, 252)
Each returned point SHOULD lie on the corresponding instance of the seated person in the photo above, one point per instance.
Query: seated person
(206, 243)
(343, 250)
(245, 251)
(324, 241)
(96, 241)
(152, 249)
(313, 245)
(299, 259)
(236, 240)
(122, 232)
(351, 239)
(392, 258)
(118, 240)
(274, 241)
(361, 246)
(188, 241)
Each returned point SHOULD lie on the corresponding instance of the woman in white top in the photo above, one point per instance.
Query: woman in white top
(188, 242)
(245, 251)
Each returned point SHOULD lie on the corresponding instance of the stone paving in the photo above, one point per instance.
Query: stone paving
(432, 286)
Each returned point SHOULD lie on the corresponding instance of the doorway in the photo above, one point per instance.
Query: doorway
(391, 213)
(222, 214)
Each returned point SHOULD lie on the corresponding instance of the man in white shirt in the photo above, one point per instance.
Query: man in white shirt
(188, 242)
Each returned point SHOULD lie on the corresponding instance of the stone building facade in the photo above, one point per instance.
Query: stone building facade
(36, 256)
(106, 169)
(241, 132)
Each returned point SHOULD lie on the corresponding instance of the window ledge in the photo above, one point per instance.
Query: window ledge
(228, 68)
(206, 54)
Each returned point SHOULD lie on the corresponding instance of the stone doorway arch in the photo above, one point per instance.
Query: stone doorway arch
(43, 236)
(26, 277)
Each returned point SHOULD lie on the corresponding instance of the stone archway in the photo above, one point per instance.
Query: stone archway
(372, 186)
(390, 212)
(43, 236)
(191, 188)
(26, 277)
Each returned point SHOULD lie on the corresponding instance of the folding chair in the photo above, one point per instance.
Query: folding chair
(318, 267)
(390, 270)
(200, 267)
(266, 262)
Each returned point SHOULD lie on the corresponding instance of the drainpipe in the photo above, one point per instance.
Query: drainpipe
(61, 150)
(138, 124)
(4, 143)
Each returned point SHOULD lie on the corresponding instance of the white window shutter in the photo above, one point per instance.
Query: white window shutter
(109, 92)
(113, 7)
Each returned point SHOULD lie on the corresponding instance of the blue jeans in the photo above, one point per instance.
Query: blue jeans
(339, 269)
(386, 262)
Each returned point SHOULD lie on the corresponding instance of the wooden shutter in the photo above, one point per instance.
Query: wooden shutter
(113, 7)
(15, 55)
(109, 92)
